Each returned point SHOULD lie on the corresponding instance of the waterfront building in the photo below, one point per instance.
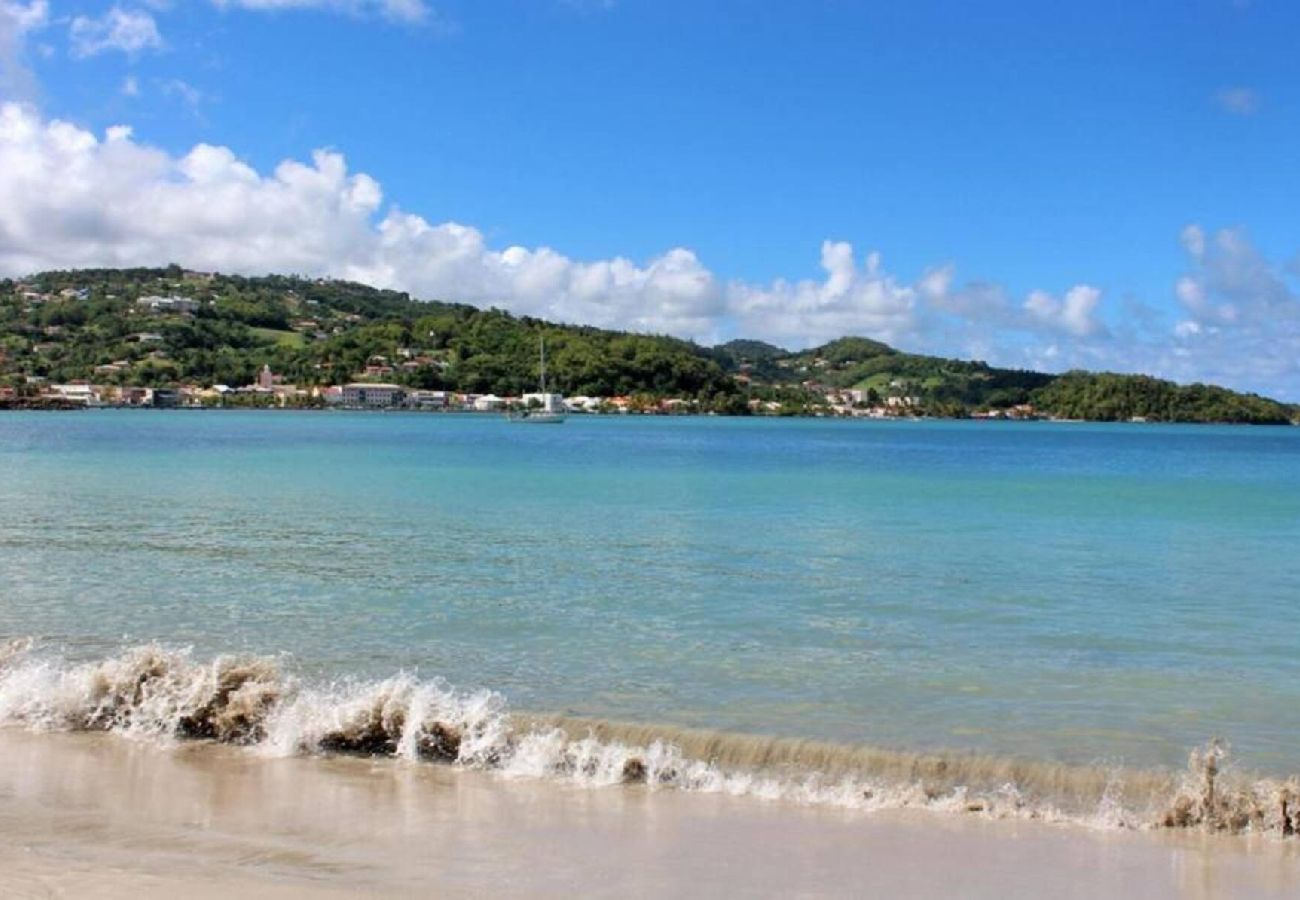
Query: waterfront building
(427, 399)
(544, 402)
(372, 395)
(83, 394)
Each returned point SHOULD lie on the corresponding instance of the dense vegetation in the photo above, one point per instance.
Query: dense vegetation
(316, 332)
(90, 325)
(1108, 397)
(942, 386)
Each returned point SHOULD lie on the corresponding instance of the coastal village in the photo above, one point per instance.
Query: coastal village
(374, 387)
(172, 338)
(270, 392)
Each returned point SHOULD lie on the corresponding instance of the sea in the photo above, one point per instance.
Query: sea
(1098, 622)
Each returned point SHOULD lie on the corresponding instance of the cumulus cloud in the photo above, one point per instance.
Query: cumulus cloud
(129, 31)
(70, 197)
(1239, 101)
(850, 299)
(1241, 320)
(1231, 283)
(1075, 313)
(409, 11)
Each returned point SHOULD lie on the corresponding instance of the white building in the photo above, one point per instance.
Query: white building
(84, 394)
(488, 403)
(371, 395)
(583, 404)
(547, 402)
(427, 399)
(168, 304)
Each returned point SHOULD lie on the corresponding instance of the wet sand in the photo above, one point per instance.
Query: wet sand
(90, 815)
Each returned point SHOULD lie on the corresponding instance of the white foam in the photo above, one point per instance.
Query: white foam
(163, 695)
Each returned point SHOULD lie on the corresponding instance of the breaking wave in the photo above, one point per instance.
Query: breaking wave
(156, 693)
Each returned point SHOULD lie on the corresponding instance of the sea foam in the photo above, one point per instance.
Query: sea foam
(164, 695)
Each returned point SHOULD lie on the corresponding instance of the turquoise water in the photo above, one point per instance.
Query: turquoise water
(1071, 592)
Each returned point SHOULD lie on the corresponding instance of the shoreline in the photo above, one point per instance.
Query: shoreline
(165, 697)
(99, 814)
(77, 408)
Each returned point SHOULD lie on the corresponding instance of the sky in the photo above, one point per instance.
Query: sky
(1102, 185)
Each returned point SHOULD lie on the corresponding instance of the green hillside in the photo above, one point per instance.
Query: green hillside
(201, 329)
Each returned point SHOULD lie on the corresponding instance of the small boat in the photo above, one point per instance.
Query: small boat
(551, 410)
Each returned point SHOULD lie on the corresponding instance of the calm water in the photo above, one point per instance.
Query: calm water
(1078, 592)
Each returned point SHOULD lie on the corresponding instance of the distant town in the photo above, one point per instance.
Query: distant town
(171, 338)
(270, 392)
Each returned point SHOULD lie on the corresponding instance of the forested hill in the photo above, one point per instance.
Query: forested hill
(66, 325)
(155, 327)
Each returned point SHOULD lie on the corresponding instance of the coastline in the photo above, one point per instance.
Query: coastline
(476, 414)
(166, 698)
(95, 814)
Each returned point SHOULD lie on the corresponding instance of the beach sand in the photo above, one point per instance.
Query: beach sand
(89, 815)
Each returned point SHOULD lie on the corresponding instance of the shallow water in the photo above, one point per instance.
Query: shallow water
(1075, 593)
(84, 816)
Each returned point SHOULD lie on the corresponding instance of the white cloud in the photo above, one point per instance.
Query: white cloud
(409, 11)
(126, 30)
(130, 86)
(26, 17)
(1239, 101)
(1242, 323)
(183, 91)
(1074, 314)
(70, 198)
(1232, 283)
(17, 20)
(851, 299)
(1192, 238)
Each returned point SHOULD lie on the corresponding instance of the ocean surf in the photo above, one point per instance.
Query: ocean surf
(163, 695)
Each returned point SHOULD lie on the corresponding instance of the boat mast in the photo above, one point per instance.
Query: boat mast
(543, 338)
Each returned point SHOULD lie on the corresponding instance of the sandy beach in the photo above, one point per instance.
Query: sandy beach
(100, 816)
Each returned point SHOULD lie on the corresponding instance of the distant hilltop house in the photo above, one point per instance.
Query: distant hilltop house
(33, 297)
(182, 305)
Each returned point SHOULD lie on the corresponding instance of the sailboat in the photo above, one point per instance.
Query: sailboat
(551, 411)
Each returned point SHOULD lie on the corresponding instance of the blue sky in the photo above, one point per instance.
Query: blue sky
(998, 156)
